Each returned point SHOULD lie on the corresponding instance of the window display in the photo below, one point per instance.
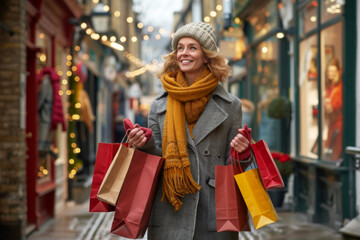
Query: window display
(308, 18)
(309, 97)
(266, 83)
(332, 92)
(264, 19)
(329, 75)
(43, 41)
(331, 9)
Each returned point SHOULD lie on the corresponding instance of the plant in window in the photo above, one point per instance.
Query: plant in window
(279, 107)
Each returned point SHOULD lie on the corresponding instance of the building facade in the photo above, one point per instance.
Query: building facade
(303, 52)
(35, 42)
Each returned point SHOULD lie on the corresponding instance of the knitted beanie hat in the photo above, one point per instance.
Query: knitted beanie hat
(202, 32)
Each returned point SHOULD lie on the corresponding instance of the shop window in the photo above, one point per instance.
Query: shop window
(264, 19)
(331, 9)
(266, 83)
(45, 101)
(43, 41)
(331, 83)
(330, 76)
(308, 17)
(309, 97)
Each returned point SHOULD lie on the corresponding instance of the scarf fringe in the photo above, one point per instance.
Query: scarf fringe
(178, 181)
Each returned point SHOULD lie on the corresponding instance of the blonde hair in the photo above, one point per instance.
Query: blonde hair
(216, 63)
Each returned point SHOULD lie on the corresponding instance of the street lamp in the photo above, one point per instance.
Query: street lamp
(100, 18)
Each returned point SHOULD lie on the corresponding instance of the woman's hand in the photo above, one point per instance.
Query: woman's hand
(137, 137)
(240, 143)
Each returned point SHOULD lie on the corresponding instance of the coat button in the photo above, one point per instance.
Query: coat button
(206, 152)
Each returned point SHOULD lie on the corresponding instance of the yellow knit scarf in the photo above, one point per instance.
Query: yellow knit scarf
(183, 101)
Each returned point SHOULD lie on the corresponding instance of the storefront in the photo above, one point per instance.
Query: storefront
(310, 63)
(264, 71)
(49, 38)
(325, 94)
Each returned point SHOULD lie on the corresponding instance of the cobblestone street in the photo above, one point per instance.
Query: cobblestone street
(75, 222)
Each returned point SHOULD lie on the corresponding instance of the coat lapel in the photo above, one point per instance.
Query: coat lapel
(212, 116)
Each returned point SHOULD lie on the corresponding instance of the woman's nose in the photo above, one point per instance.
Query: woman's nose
(185, 51)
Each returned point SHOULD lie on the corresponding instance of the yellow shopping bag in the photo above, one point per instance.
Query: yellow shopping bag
(256, 198)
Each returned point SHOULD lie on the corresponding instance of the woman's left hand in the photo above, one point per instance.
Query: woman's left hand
(240, 143)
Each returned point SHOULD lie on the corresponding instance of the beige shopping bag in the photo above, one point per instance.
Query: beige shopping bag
(113, 181)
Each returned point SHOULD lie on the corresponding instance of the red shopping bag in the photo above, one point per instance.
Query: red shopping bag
(231, 210)
(133, 208)
(269, 172)
(104, 156)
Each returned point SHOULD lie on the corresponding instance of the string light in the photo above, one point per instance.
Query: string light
(117, 13)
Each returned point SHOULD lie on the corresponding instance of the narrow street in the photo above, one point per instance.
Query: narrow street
(75, 222)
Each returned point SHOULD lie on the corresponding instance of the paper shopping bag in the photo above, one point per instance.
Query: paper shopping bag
(256, 198)
(113, 181)
(104, 156)
(231, 210)
(269, 172)
(133, 208)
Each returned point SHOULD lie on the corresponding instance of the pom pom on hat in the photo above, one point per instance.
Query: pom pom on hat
(202, 32)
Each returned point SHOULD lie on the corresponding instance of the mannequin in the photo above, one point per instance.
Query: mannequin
(333, 110)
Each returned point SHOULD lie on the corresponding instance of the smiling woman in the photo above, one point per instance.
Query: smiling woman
(191, 58)
(195, 122)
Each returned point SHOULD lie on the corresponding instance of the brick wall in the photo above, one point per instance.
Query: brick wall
(12, 120)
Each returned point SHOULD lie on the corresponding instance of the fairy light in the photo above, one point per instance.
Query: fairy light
(129, 19)
(106, 8)
(123, 39)
(88, 31)
(117, 46)
(104, 38)
(117, 13)
(207, 19)
(83, 25)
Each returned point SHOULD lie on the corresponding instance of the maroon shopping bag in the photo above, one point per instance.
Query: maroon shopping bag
(133, 208)
(231, 210)
(104, 156)
(269, 172)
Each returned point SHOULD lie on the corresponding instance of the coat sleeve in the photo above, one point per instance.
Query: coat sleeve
(154, 145)
(236, 123)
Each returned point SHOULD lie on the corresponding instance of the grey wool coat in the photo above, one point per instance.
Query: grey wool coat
(215, 128)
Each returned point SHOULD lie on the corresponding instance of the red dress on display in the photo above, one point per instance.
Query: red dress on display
(334, 139)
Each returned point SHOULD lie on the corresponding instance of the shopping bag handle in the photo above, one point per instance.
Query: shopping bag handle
(125, 136)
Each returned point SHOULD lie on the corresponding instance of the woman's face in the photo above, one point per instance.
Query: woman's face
(333, 74)
(190, 56)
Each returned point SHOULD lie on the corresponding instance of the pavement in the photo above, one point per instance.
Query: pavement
(75, 222)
